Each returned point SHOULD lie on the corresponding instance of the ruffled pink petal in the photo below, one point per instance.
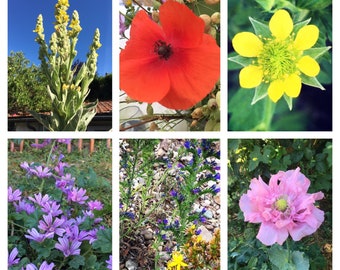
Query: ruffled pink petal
(270, 234)
(249, 209)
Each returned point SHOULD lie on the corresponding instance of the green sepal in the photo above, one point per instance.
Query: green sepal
(316, 52)
(261, 92)
(260, 28)
(311, 81)
(267, 5)
(299, 25)
(243, 61)
(289, 101)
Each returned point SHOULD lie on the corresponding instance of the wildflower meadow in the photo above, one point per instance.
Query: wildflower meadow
(280, 204)
(59, 207)
(169, 204)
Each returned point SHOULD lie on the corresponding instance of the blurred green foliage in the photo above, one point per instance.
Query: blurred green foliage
(250, 158)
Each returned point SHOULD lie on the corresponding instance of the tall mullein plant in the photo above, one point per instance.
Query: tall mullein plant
(67, 88)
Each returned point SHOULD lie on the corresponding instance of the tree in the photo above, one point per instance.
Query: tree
(26, 85)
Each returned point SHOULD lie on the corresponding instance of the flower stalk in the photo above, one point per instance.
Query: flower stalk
(67, 87)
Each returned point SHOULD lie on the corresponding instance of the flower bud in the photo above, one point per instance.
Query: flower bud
(215, 18)
(197, 113)
(207, 22)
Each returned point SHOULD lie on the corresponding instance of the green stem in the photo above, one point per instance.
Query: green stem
(268, 113)
(288, 249)
(47, 165)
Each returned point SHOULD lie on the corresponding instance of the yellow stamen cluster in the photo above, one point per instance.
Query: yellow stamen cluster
(281, 205)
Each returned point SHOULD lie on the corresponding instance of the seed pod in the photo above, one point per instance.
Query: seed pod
(215, 18)
(207, 22)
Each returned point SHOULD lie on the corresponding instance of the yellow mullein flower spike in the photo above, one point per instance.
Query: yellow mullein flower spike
(308, 66)
(276, 90)
(250, 76)
(292, 85)
(247, 44)
(281, 24)
(306, 37)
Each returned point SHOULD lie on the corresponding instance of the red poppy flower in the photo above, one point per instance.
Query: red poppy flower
(174, 63)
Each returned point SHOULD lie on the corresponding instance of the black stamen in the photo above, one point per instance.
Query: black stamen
(163, 50)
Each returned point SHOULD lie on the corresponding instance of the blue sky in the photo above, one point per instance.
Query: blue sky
(22, 15)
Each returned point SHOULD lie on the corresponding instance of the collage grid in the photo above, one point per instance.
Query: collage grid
(224, 136)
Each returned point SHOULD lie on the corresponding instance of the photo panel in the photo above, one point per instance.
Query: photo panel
(59, 65)
(59, 204)
(280, 203)
(169, 203)
(280, 65)
(169, 65)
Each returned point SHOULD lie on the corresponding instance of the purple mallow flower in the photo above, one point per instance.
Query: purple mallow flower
(43, 266)
(39, 199)
(41, 145)
(13, 196)
(41, 172)
(12, 260)
(77, 195)
(109, 262)
(95, 205)
(52, 208)
(38, 237)
(50, 226)
(68, 247)
(24, 206)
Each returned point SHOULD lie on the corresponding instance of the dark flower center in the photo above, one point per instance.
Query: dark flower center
(163, 50)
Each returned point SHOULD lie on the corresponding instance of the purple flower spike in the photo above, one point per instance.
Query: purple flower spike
(13, 196)
(68, 247)
(12, 260)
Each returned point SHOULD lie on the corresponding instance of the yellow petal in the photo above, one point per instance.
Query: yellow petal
(292, 85)
(281, 24)
(306, 37)
(276, 90)
(250, 76)
(308, 66)
(247, 44)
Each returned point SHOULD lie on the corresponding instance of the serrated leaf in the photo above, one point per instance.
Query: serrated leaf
(300, 261)
(311, 81)
(242, 61)
(104, 241)
(77, 261)
(316, 52)
(260, 28)
(261, 92)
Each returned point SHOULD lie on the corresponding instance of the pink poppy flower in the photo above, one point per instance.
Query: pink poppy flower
(283, 207)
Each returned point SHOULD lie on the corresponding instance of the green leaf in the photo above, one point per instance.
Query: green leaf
(279, 258)
(300, 261)
(104, 241)
(267, 5)
(243, 61)
(311, 81)
(289, 101)
(260, 28)
(44, 248)
(260, 92)
(77, 261)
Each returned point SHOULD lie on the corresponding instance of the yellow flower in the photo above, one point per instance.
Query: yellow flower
(279, 59)
(176, 261)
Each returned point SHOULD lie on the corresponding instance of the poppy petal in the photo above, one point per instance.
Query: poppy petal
(281, 24)
(247, 44)
(194, 73)
(308, 66)
(306, 37)
(140, 65)
(250, 76)
(276, 90)
(181, 26)
(292, 85)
